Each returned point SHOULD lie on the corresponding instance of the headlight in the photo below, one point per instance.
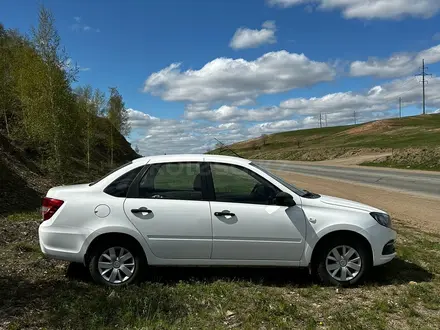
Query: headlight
(382, 218)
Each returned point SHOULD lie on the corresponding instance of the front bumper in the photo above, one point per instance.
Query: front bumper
(382, 242)
(389, 248)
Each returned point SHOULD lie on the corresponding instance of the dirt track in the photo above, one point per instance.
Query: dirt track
(412, 210)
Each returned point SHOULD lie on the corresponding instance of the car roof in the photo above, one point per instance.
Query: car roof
(192, 157)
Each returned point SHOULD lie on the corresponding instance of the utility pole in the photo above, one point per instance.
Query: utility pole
(424, 82)
(320, 120)
(354, 116)
(400, 107)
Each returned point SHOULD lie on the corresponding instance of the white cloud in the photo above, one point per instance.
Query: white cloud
(180, 136)
(273, 127)
(248, 38)
(227, 113)
(237, 80)
(398, 65)
(79, 26)
(196, 133)
(244, 102)
(378, 99)
(141, 119)
(371, 9)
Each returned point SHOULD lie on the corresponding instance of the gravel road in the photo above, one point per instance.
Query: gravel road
(412, 209)
(416, 182)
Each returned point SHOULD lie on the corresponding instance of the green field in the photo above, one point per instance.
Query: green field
(41, 293)
(415, 142)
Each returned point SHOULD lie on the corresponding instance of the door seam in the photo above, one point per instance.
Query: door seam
(212, 231)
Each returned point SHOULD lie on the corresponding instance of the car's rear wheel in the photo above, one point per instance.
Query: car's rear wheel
(116, 264)
(343, 262)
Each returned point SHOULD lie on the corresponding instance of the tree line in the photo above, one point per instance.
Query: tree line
(40, 108)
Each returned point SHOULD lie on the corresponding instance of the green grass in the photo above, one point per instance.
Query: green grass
(420, 132)
(36, 293)
(25, 216)
(433, 166)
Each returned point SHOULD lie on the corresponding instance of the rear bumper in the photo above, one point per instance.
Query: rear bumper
(64, 243)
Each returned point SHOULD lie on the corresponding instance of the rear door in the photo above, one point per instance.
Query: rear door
(171, 211)
(246, 223)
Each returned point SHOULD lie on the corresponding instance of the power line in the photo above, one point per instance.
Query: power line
(404, 84)
(424, 82)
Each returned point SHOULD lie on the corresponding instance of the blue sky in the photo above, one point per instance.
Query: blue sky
(355, 58)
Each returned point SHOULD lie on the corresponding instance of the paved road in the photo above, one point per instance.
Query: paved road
(408, 181)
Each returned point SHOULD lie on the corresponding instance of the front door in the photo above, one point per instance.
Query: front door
(171, 213)
(246, 224)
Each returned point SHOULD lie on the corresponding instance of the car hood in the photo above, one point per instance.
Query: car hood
(348, 204)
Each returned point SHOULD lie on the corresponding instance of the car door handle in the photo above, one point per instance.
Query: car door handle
(141, 210)
(222, 213)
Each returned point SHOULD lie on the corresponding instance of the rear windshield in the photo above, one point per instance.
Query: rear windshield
(111, 172)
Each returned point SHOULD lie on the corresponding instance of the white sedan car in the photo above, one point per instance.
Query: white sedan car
(209, 210)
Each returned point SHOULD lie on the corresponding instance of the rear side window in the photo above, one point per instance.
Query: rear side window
(119, 187)
(172, 181)
(111, 172)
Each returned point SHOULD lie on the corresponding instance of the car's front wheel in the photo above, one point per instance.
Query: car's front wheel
(343, 262)
(116, 264)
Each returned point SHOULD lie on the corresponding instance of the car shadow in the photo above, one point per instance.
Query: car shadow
(397, 271)
(57, 301)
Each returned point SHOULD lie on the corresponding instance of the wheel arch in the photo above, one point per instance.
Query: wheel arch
(112, 236)
(328, 237)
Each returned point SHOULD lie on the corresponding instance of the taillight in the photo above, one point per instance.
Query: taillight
(50, 206)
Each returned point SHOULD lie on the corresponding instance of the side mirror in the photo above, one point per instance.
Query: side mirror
(284, 199)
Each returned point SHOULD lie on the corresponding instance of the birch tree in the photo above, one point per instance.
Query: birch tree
(118, 117)
(53, 111)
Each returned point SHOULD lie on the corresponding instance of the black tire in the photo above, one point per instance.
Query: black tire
(321, 263)
(138, 260)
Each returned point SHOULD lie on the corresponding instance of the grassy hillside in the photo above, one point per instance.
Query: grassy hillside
(415, 142)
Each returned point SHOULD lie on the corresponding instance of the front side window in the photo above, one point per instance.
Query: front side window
(119, 187)
(172, 181)
(296, 190)
(239, 185)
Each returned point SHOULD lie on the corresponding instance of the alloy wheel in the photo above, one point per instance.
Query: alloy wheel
(343, 263)
(116, 265)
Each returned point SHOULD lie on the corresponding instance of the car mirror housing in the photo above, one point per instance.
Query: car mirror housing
(284, 199)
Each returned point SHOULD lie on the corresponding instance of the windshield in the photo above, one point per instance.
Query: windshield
(296, 190)
(112, 171)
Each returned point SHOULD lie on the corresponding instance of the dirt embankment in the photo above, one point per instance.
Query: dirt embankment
(24, 181)
(412, 210)
(22, 184)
